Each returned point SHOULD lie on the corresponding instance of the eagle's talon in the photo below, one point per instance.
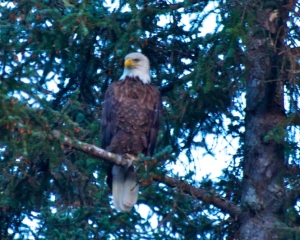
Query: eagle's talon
(129, 163)
(130, 159)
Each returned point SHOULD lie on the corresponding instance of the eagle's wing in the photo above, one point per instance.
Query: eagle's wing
(121, 180)
(152, 136)
(108, 124)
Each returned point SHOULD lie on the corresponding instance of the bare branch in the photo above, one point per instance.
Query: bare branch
(203, 195)
(90, 149)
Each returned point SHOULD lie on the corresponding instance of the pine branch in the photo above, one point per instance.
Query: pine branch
(203, 195)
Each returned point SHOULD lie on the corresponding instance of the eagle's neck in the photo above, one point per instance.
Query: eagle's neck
(144, 76)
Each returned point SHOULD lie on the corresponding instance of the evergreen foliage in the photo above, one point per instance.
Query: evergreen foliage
(58, 58)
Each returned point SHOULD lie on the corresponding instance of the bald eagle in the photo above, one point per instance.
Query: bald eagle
(130, 121)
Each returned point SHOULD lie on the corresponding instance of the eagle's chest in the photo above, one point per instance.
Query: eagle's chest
(132, 110)
(132, 91)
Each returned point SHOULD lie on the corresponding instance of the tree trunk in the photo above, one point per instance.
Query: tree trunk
(263, 192)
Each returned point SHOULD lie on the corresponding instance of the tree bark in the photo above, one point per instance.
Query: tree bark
(263, 191)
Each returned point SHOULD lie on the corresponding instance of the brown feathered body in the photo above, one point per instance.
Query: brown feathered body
(131, 119)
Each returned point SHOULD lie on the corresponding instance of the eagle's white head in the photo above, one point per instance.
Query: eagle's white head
(136, 65)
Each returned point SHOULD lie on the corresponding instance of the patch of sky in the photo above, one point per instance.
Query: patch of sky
(7, 4)
(291, 103)
(297, 206)
(207, 164)
(147, 214)
(111, 5)
(33, 222)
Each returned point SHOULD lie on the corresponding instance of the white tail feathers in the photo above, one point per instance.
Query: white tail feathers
(125, 188)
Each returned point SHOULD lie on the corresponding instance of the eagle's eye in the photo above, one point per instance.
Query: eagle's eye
(136, 60)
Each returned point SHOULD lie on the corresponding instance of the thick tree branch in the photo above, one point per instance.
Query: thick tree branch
(91, 149)
(203, 195)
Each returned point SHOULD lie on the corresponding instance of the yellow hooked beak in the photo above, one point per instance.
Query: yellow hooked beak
(129, 63)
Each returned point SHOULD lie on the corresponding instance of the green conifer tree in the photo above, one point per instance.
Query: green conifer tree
(57, 60)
